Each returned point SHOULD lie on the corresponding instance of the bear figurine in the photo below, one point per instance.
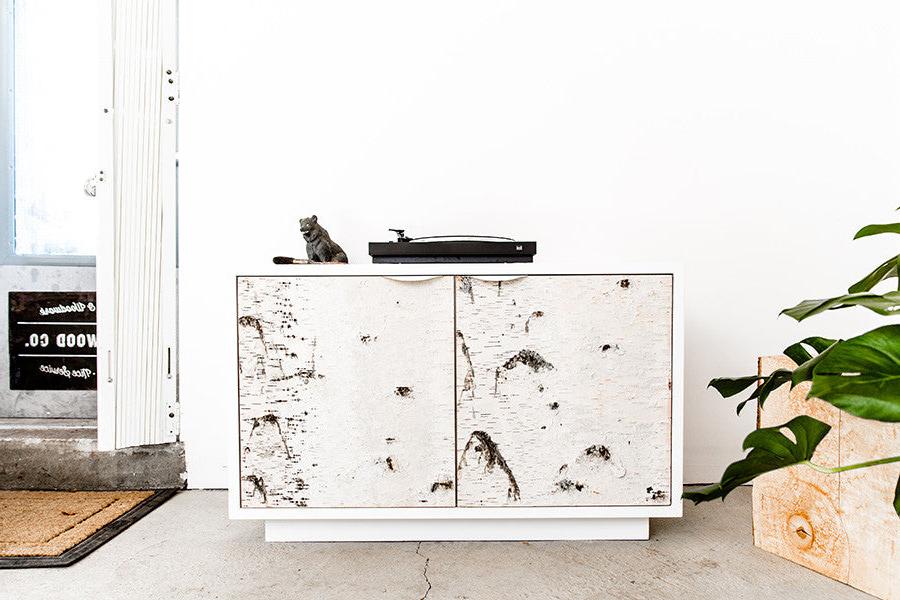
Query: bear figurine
(319, 245)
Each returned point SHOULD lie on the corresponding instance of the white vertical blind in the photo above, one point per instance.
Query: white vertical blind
(136, 267)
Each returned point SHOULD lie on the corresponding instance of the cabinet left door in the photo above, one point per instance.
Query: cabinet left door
(346, 391)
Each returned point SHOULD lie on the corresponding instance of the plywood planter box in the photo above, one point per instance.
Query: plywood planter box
(842, 525)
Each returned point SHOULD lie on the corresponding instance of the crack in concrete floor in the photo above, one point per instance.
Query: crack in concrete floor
(424, 571)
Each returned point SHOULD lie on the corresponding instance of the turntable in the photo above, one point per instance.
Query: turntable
(452, 249)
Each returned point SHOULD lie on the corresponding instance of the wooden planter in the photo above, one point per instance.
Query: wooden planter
(841, 525)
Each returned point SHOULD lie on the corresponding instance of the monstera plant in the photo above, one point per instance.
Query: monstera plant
(860, 375)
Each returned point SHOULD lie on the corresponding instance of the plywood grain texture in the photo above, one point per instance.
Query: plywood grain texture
(842, 525)
(346, 387)
(564, 390)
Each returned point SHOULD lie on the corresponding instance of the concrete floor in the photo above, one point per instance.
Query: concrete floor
(189, 549)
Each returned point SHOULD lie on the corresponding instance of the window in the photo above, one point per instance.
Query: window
(52, 151)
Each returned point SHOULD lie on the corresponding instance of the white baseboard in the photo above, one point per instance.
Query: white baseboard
(417, 530)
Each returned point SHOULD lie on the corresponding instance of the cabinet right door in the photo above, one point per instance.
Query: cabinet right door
(563, 390)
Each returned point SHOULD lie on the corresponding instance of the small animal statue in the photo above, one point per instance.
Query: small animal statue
(319, 245)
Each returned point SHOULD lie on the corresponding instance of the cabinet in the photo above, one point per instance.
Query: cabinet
(435, 396)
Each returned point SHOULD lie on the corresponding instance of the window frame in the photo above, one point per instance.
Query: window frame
(8, 255)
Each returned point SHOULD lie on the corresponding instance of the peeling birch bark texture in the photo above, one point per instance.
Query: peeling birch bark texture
(564, 390)
(346, 392)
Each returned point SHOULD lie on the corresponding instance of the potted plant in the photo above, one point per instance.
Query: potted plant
(860, 376)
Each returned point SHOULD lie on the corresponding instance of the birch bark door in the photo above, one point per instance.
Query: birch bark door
(346, 392)
(564, 390)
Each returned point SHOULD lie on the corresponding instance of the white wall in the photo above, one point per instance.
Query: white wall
(746, 140)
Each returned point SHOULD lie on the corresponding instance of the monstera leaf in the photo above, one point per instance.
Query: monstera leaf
(728, 386)
(731, 386)
(862, 375)
(807, 362)
(798, 352)
(884, 271)
(897, 496)
(883, 304)
(770, 450)
(859, 294)
(877, 229)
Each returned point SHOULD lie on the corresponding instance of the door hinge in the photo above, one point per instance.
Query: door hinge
(173, 420)
(171, 89)
(173, 407)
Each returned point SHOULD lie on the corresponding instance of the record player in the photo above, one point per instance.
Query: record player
(451, 249)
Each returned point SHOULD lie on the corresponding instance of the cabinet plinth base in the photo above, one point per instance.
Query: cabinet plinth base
(416, 530)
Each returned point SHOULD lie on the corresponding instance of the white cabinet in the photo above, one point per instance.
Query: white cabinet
(450, 402)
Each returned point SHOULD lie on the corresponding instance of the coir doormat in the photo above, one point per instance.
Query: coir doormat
(55, 529)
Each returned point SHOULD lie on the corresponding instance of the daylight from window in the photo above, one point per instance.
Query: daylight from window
(56, 98)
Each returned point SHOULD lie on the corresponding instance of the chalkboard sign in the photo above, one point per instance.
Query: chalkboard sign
(52, 341)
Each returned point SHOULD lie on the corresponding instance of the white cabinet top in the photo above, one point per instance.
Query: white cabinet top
(479, 269)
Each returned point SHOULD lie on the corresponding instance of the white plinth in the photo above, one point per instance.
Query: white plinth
(417, 530)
